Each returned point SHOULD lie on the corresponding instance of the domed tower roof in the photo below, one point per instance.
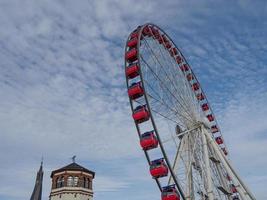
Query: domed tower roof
(73, 167)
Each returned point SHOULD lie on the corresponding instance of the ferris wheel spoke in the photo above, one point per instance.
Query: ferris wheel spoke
(164, 71)
(172, 67)
(180, 105)
(167, 76)
(169, 61)
(174, 111)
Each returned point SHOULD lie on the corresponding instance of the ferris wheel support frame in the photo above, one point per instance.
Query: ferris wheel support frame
(238, 182)
(207, 164)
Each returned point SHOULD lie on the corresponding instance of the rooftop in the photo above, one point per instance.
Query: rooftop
(73, 167)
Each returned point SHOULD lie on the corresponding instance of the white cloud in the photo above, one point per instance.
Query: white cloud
(62, 84)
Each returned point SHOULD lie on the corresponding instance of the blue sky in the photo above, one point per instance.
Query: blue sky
(63, 92)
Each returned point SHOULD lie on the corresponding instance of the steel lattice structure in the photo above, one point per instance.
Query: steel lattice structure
(178, 131)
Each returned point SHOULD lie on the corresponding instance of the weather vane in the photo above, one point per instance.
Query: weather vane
(73, 158)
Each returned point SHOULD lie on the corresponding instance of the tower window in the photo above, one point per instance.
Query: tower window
(62, 182)
(86, 183)
(75, 181)
(70, 181)
(59, 182)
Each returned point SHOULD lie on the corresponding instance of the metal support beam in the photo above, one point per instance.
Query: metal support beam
(207, 165)
(239, 184)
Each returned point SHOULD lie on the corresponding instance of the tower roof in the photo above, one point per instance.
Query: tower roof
(73, 167)
(37, 191)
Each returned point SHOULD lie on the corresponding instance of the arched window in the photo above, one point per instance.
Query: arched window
(62, 182)
(58, 182)
(70, 181)
(83, 182)
(76, 179)
(90, 184)
(86, 183)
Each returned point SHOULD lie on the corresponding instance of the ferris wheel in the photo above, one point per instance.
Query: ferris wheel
(178, 131)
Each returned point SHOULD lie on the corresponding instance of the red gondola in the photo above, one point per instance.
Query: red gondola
(131, 55)
(205, 107)
(195, 86)
(210, 117)
(134, 34)
(225, 151)
(179, 60)
(147, 31)
(214, 129)
(173, 51)
(167, 45)
(184, 67)
(158, 168)
(233, 188)
(132, 71)
(190, 77)
(132, 43)
(165, 39)
(155, 32)
(200, 97)
(170, 193)
(228, 177)
(141, 114)
(135, 90)
(219, 140)
(148, 141)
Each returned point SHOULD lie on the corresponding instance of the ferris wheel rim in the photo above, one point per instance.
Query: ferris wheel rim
(140, 32)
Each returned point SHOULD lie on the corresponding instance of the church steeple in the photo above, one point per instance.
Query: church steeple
(37, 191)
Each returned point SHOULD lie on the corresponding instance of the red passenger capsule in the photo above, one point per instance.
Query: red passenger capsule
(205, 107)
(147, 31)
(200, 97)
(214, 129)
(189, 77)
(141, 114)
(134, 34)
(228, 177)
(165, 39)
(131, 55)
(167, 45)
(135, 90)
(195, 86)
(210, 117)
(132, 43)
(173, 51)
(158, 168)
(155, 32)
(170, 193)
(225, 151)
(219, 140)
(132, 71)
(179, 60)
(184, 67)
(233, 188)
(160, 39)
(148, 141)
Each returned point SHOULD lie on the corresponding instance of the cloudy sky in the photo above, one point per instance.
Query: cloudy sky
(62, 87)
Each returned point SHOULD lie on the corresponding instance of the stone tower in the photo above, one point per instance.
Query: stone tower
(72, 182)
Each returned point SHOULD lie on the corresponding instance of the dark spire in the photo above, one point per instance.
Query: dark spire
(37, 191)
